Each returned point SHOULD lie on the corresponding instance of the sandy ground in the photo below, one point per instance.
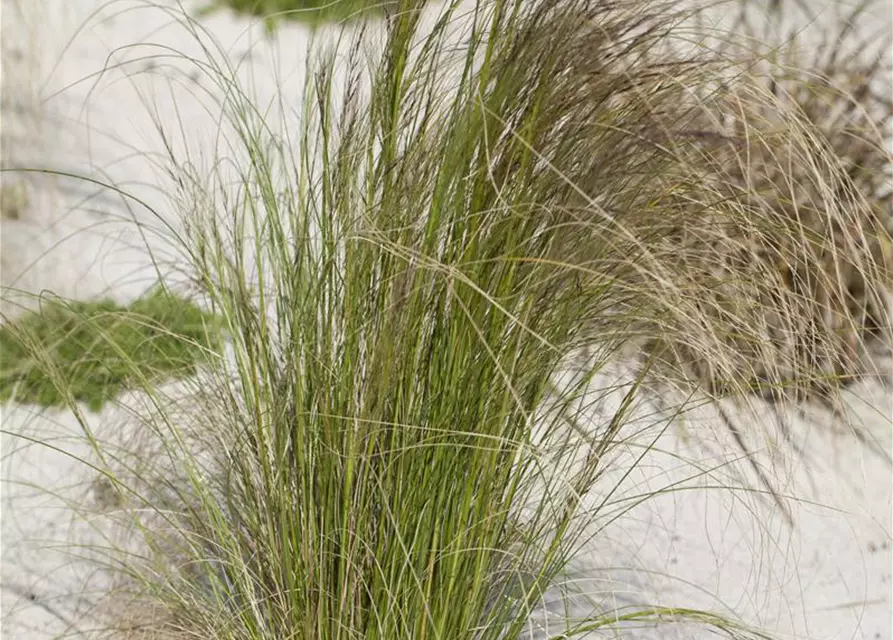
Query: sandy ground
(91, 100)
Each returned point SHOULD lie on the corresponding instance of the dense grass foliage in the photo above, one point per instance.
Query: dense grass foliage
(92, 351)
(404, 280)
(511, 192)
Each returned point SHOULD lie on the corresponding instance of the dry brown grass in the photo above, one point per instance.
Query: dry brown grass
(773, 279)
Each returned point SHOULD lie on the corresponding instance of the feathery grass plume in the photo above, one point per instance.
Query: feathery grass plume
(384, 453)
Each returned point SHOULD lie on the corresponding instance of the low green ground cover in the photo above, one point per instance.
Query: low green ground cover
(91, 351)
(311, 11)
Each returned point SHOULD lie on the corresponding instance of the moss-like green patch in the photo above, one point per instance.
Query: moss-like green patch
(309, 11)
(95, 350)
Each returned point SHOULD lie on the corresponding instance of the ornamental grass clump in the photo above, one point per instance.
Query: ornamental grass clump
(390, 446)
(386, 453)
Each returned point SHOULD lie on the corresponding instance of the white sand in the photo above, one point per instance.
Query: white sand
(727, 551)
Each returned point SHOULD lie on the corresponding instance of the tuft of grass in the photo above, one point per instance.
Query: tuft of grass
(802, 150)
(91, 351)
(392, 447)
(387, 452)
(788, 274)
